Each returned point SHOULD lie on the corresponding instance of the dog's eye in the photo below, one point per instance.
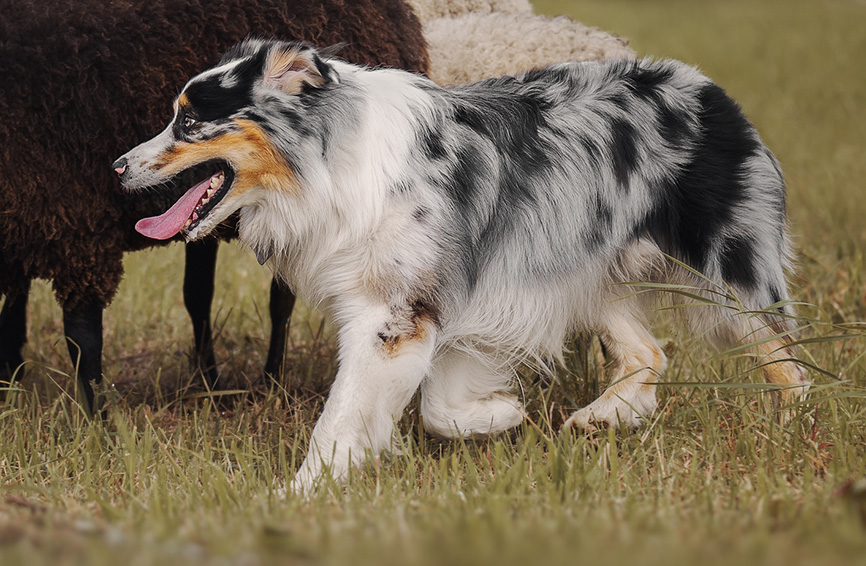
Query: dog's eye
(188, 121)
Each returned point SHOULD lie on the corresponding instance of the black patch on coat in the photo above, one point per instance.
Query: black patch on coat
(466, 176)
(644, 81)
(700, 200)
(738, 262)
(511, 121)
(461, 182)
(674, 125)
(432, 145)
(599, 230)
(623, 151)
(776, 297)
(211, 100)
(512, 124)
(502, 150)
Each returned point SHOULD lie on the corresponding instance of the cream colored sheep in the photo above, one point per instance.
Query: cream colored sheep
(474, 39)
(428, 10)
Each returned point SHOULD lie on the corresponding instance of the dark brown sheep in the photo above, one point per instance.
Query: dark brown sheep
(83, 80)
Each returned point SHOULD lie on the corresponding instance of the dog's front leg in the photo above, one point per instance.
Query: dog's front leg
(385, 351)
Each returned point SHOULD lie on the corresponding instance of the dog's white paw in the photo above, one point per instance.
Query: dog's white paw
(307, 478)
(615, 410)
(501, 411)
(482, 417)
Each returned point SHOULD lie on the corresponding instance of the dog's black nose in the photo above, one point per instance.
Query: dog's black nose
(120, 166)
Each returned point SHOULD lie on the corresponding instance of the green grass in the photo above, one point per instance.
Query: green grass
(175, 475)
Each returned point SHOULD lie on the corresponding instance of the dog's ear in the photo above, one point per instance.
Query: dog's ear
(290, 68)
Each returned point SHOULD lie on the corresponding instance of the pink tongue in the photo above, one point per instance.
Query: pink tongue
(171, 222)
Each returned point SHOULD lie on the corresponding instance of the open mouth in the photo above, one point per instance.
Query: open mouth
(209, 182)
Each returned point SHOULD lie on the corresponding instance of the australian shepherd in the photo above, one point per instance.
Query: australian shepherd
(453, 234)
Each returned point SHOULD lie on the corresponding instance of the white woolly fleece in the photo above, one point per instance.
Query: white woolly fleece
(475, 46)
(427, 10)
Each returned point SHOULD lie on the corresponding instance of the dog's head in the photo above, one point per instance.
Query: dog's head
(220, 149)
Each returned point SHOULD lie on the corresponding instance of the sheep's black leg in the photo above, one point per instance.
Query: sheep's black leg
(282, 303)
(13, 333)
(198, 286)
(83, 329)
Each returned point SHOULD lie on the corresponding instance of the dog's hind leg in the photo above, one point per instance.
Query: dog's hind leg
(757, 314)
(385, 351)
(637, 361)
(777, 365)
(467, 395)
(768, 337)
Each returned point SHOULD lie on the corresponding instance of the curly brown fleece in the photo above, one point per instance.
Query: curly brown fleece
(83, 80)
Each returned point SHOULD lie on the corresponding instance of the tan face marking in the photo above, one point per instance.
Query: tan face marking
(256, 162)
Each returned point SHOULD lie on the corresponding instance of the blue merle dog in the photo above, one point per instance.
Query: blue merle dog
(453, 234)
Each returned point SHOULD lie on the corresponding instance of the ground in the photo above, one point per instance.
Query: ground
(176, 474)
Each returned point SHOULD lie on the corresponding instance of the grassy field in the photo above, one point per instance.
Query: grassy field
(178, 475)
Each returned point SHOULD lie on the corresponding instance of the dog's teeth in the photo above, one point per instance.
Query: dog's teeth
(214, 182)
(188, 222)
(210, 192)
